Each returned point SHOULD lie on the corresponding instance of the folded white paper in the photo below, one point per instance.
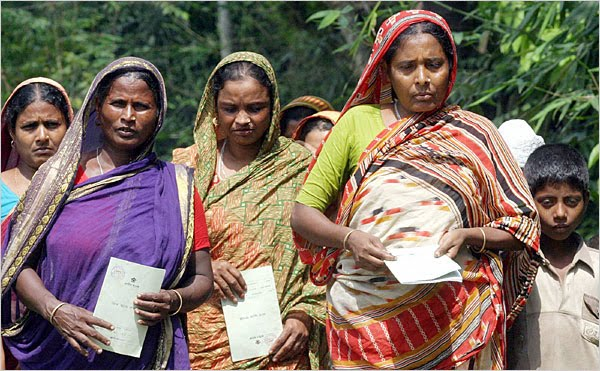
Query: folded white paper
(418, 265)
(253, 323)
(123, 281)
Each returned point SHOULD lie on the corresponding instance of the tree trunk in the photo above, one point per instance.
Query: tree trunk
(224, 28)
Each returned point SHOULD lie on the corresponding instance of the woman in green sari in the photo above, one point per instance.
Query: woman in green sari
(248, 177)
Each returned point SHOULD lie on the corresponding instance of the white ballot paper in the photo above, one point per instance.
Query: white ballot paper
(418, 265)
(123, 281)
(254, 322)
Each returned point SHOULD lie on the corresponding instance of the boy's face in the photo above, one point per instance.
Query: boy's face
(561, 208)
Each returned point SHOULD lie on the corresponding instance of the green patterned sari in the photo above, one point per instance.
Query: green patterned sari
(248, 217)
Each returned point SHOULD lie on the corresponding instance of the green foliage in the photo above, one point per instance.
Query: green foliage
(532, 60)
(72, 41)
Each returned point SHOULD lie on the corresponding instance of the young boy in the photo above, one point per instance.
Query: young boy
(559, 327)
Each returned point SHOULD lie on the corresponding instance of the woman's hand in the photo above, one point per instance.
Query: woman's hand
(76, 325)
(153, 307)
(293, 339)
(369, 253)
(228, 281)
(451, 242)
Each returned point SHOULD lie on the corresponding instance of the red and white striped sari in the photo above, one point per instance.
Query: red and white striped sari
(417, 180)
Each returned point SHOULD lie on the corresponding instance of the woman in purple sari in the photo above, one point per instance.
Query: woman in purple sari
(105, 194)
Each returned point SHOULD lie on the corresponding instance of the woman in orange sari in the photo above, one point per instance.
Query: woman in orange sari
(248, 176)
(416, 173)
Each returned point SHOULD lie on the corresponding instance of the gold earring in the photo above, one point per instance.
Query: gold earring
(214, 122)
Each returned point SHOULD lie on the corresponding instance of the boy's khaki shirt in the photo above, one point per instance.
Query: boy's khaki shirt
(559, 327)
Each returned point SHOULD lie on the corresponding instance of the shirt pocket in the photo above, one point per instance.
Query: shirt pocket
(589, 318)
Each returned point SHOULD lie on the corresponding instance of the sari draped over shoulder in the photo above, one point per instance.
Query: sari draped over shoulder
(141, 212)
(420, 177)
(249, 226)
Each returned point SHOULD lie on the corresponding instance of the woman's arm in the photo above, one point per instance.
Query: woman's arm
(195, 290)
(74, 323)
(368, 251)
(483, 237)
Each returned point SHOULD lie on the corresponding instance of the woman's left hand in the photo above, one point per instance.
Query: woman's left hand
(451, 242)
(293, 339)
(153, 307)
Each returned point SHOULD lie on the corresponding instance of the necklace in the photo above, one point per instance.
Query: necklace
(98, 160)
(220, 162)
(396, 110)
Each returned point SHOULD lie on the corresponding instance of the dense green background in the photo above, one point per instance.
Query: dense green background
(532, 60)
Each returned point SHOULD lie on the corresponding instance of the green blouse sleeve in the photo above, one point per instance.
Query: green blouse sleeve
(339, 156)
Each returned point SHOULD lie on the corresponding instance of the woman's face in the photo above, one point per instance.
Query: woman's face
(419, 72)
(128, 115)
(244, 111)
(39, 129)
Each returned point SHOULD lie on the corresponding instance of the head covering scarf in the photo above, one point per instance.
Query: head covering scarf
(445, 168)
(10, 157)
(521, 139)
(139, 203)
(310, 101)
(374, 86)
(204, 128)
(248, 217)
(331, 116)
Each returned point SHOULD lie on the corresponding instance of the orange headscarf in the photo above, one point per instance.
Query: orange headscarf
(331, 116)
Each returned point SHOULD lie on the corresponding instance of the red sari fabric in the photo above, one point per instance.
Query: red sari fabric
(459, 159)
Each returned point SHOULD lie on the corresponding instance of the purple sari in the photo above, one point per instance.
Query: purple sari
(138, 212)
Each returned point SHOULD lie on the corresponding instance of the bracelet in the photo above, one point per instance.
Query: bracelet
(482, 248)
(54, 312)
(346, 238)
(180, 303)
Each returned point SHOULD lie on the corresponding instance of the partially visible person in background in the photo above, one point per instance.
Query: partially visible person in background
(35, 118)
(299, 108)
(312, 130)
(558, 328)
(521, 139)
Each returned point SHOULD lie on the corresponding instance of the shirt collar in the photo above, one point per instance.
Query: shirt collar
(582, 255)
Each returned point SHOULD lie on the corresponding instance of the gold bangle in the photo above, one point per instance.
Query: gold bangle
(346, 238)
(180, 303)
(51, 320)
(482, 248)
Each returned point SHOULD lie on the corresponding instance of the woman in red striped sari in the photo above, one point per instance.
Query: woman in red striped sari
(416, 173)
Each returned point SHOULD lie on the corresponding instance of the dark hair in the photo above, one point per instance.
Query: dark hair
(237, 71)
(316, 123)
(418, 28)
(133, 72)
(553, 164)
(30, 93)
(294, 113)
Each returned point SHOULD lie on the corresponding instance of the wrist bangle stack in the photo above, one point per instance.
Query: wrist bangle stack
(51, 319)
(180, 303)
(346, 238)
(482, 248)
